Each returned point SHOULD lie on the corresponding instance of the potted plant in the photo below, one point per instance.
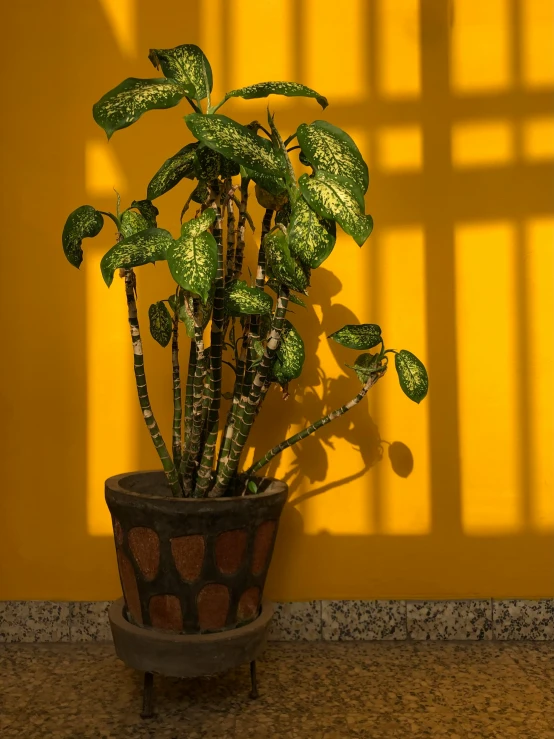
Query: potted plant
(194, 541)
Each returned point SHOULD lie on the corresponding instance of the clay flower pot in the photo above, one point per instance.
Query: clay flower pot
(192, 565)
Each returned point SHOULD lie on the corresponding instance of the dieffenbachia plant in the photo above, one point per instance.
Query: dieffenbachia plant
(249, 329)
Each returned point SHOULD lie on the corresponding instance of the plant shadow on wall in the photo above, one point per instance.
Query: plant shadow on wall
(314, 395)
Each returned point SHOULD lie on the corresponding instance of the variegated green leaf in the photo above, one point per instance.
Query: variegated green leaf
(228, 168)
(235, 142)
(243, 300)
(132, 222)
(203, 315)
(358, 336)
(329, 148)
(148, 211)
(208, 163)
(273, 185)
(311, 238)
(141, 248)
(160, 323)
(290, 355)
(283, 215)
(283, 267)
(363, 366)
(125, 104)
(264, 89)
(337, 199)
(172, 171)
(274, 285)
(200, 193)
(188, 320)
(197, 225)
(412, 375)
(188, 65)
(192, 258)
(267, 200)
(85, 222)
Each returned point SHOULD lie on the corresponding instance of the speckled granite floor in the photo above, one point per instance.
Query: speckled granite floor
(328, 691)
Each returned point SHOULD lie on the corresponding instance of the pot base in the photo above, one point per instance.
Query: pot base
(187, 655)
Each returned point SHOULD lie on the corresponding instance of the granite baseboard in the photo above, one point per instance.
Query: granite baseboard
(339, 620)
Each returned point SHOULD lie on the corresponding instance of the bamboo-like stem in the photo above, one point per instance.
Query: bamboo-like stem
(142, 389)
(253, 333)
(316, 425)
(189, 460)
(177, 404)
(204, 478)
(241, 227)
(231, 232)
(266, 226)
(234, 407)
(188, 395)
(245, 417)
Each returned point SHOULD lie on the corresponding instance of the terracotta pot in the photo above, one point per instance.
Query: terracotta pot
(192, 565)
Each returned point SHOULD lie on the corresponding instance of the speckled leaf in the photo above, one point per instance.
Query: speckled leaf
(186, 64)
(358, 336)
(125, 104)
(208, 163)
(160, 323)
(273, 185)
(283, 215)
(290, 355)
(362, 366)
(85, 222)
(288, 89)
(412, 375)
(329, 148)
(243, 300)
(192, 258)
(311, 238)
(337, 199)
(172, 171)
(133, 222)
(267, 200)
(197, 225)
(235, 142)
(148, 211)
(200, 193)
(140, 248)
(204, 314)
(228, 168)
(283, 267)
(187, 320)
(274, 285)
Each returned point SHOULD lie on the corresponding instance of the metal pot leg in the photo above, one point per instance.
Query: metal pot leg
(148, 696)
(254, 692)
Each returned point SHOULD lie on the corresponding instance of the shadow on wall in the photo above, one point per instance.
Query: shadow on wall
(451, 103)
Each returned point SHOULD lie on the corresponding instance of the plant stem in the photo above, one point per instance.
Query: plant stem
(253, 333)
(177, 405)
(314, 427)
(188, 394)
(231, 415)
(241, 227)
(142, 389)
(231, 233)
(246, 414)
(189, 460)
(266, 227)
(204, 479)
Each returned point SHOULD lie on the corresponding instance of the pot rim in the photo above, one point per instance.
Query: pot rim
(113, 483)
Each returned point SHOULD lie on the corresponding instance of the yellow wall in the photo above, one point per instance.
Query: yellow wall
(452, 105)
